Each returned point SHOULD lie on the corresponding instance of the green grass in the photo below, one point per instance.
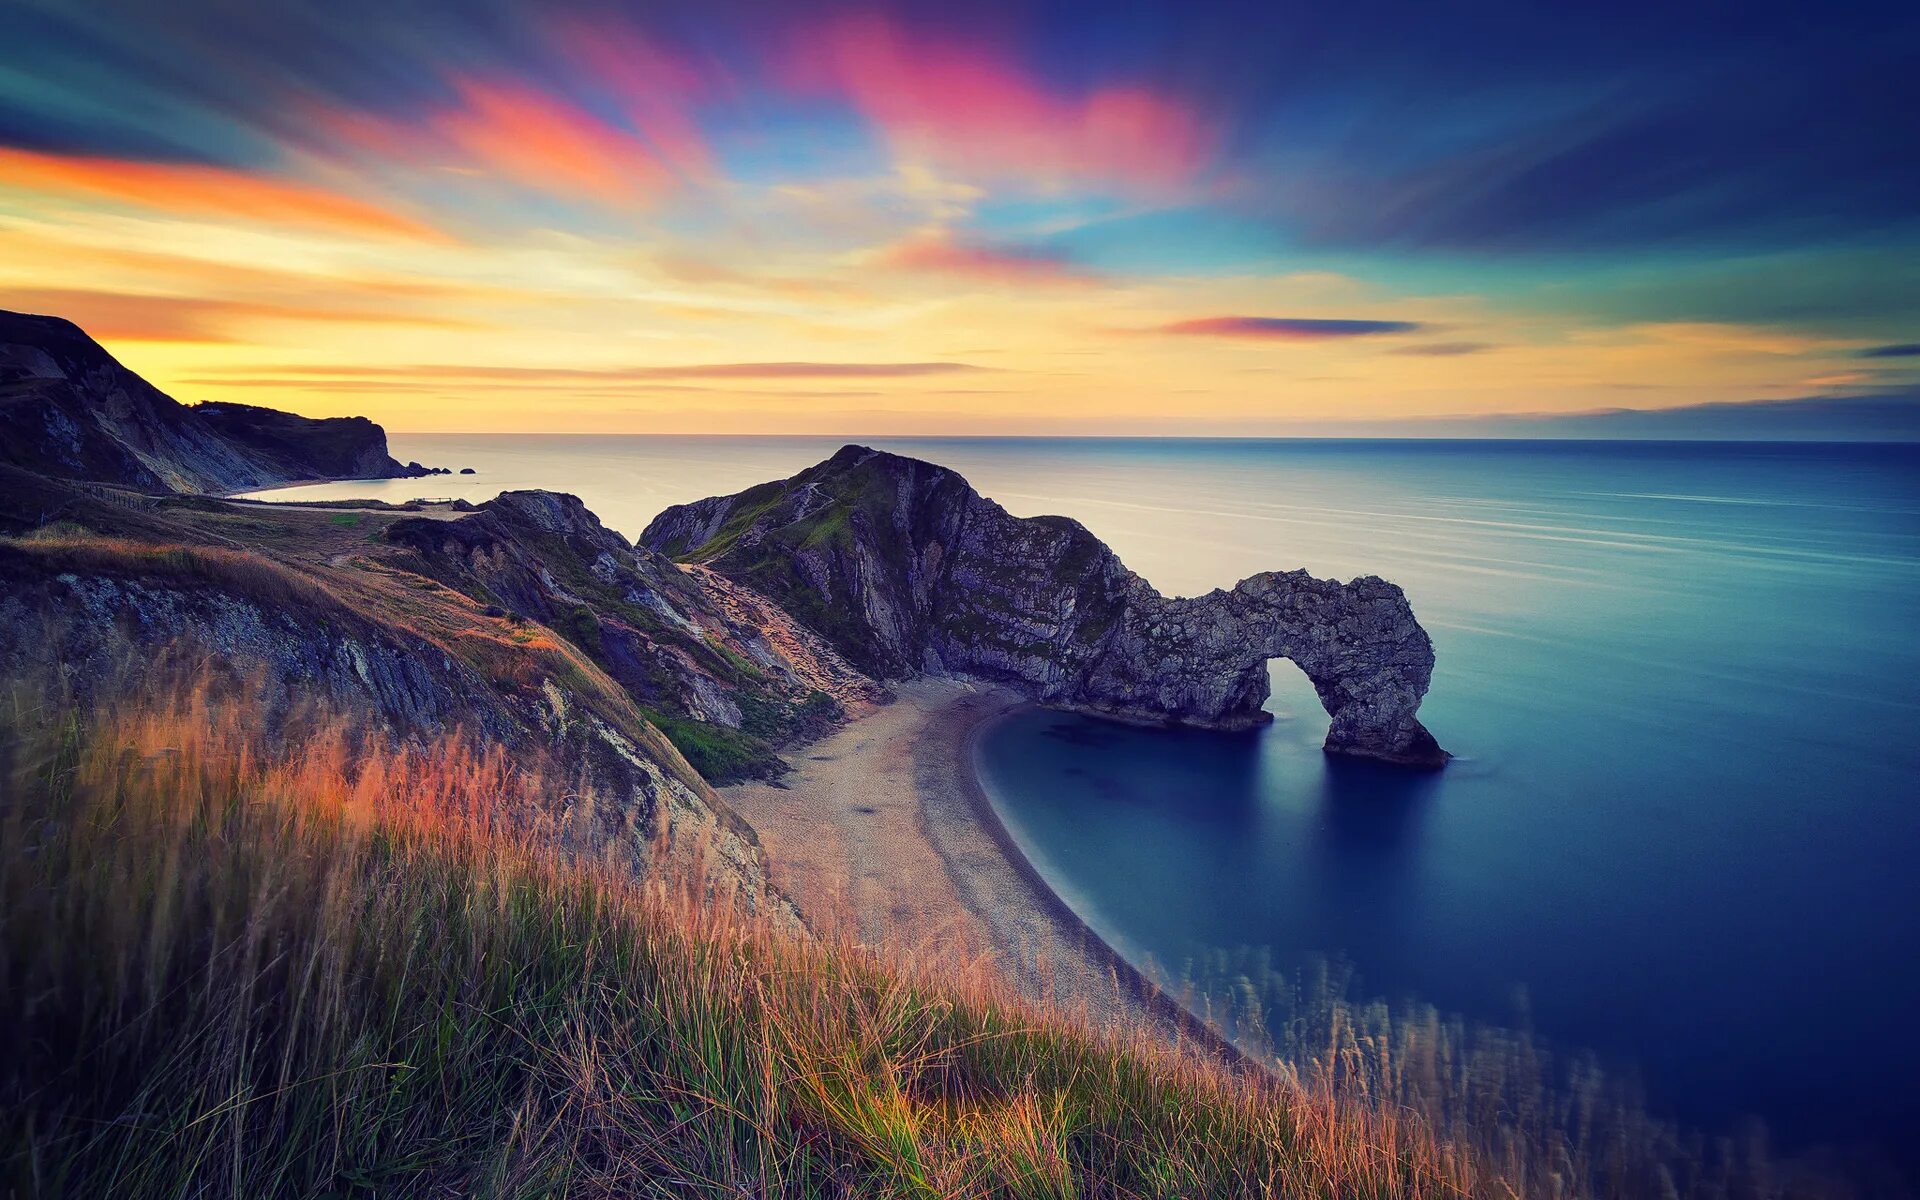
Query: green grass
(581, 626)
(229, 975)
(345, 969)
(748, 507)
(720, 754)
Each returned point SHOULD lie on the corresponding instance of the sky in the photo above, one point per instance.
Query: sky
(1134, 216)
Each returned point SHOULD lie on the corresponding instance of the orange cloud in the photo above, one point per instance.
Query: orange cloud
(655, 89)
(132, 317)
(734, 370)
(196, 190)
(941, 254)
(518, 133)
(32, 257)
(1720, 337)
(690, 268)
(972, 110)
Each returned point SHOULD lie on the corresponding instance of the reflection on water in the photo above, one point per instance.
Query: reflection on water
(1371, 811)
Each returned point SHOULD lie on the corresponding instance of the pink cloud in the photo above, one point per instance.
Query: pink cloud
(1287, 329)
(656, 88)
(971, 109)
(941, 254)
(512, 131)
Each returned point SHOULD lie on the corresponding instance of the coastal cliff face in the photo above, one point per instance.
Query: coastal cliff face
(906, 569)
(727, 684)
(522, 625)
(100, 621)
(68, 409)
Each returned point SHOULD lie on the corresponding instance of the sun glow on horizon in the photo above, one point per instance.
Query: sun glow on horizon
(839, 222)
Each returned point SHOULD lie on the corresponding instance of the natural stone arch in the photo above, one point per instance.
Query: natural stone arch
(1204, 661)
(908, 570)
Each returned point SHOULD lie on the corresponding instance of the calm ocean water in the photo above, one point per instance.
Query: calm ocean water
(1683, 680)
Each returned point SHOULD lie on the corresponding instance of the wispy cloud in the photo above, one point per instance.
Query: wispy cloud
(738, 370)
(985, 261)
(1287, 329)
(514, 133)
(1897, 350)
(125, 316)
(973, 108)
(199, 190)
(1444, 349)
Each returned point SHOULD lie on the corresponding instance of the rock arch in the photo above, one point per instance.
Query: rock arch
(1203, 661)
(907, 570)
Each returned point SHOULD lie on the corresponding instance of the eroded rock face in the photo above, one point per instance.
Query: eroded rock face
(906, 569)
(680, 645)
(97, 625)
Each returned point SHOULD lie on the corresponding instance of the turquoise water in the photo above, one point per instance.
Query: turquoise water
(1683, 680)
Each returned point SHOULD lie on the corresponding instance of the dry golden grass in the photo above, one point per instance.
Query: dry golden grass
(85, 553)
(337, 969)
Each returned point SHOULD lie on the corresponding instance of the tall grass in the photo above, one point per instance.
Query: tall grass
(1550, 1122)
(343, 968)
(330, 971)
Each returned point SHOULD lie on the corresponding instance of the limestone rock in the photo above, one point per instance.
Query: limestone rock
(906, 569)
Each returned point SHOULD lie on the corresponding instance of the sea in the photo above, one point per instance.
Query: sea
(1682, 682)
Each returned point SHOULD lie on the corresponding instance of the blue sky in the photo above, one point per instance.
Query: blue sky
(1287, 212)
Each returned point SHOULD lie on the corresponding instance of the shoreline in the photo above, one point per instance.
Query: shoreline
(246, 495)
(885, 829)
(1161, 1008)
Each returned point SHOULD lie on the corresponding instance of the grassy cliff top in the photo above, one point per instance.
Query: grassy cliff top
(321, 975)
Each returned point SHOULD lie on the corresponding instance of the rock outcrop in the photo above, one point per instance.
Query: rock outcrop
(728, 685)
(99, 620)
(69, 410)
(905, 569)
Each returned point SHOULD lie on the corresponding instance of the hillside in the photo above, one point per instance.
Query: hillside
(69, 409)
(351, 848)
(213, 984)
(906, 569)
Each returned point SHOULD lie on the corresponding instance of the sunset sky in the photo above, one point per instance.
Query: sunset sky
(1149, 217)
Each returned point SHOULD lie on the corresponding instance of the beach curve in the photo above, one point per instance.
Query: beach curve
(885, 830)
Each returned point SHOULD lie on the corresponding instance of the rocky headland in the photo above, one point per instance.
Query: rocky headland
(71, 410)
(642, 675)
(907, 570)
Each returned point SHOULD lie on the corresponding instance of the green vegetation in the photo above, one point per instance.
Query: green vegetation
(354, 970)
(832, 526)
(734, 659)
(721, 755)
(748, 508)
(580, 626)
(249, 575)
(229, 975)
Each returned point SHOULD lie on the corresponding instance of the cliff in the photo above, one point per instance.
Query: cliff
(97, 619)
(522, 624)
(904, 568)
(68, 409)
(721, 677)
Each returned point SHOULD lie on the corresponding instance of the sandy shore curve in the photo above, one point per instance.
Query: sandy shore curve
(883, 829)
